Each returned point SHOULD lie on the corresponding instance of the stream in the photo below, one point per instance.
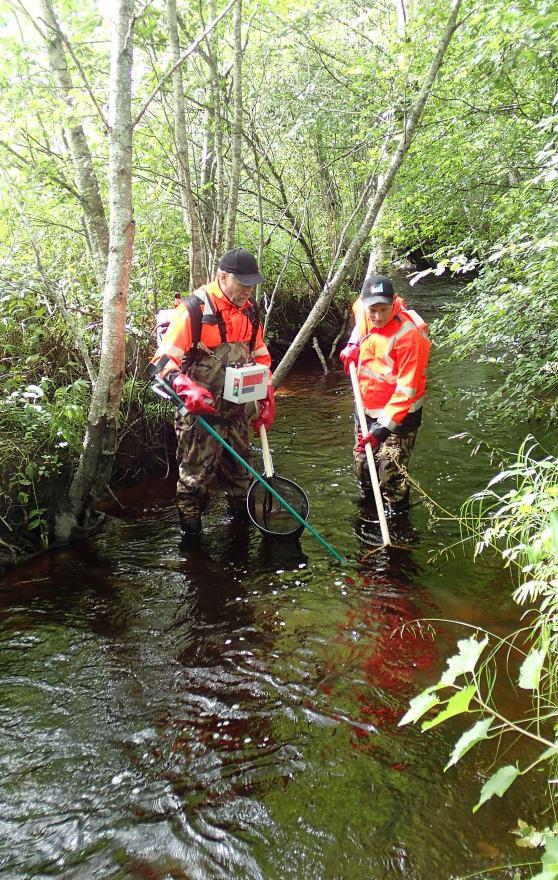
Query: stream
(232, 711)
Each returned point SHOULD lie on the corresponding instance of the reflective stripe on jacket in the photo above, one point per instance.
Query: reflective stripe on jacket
(392, 364)
(177, 340)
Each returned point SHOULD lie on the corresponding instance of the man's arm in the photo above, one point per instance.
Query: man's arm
(261, 353)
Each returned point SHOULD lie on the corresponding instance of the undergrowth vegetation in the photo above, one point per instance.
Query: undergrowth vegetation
(517, 517)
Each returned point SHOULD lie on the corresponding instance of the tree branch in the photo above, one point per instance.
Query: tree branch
(186, 54)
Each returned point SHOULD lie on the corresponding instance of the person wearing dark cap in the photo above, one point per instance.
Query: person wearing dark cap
(389, 347)
(215, 328)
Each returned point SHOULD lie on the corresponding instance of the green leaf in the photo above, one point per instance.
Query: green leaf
(418, 706)
(528, 836)
(530, 671)
(456, 705)
(466, 660)
(469, 738)
(549, 860)
(498, 784)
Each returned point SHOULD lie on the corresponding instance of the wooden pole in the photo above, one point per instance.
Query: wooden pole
(370, 457)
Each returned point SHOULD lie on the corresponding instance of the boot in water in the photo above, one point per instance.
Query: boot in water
(190, 526)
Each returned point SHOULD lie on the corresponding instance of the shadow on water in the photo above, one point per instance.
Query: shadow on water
(230, 709)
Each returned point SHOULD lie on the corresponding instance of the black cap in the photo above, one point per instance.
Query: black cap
(240, 263)
(377, 289)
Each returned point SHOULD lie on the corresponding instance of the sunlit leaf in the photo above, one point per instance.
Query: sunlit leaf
(497, 784)
(456, 705)
(530, 672)
(469, 738)
(549, 860)
(466, 660)
(418, 706)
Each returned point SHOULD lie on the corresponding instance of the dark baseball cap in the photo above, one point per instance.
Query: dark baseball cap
(377, 289)
(240, 263)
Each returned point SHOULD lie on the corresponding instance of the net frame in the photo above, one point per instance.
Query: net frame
(259, 497)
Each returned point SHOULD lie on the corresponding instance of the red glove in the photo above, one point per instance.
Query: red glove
(196, 398)
(349, 356)
(362, 442)
(266, 414)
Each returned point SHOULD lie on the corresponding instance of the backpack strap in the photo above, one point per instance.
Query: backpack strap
(193, 305)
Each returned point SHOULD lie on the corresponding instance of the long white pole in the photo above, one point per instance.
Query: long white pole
(268, 463)
(369, 457)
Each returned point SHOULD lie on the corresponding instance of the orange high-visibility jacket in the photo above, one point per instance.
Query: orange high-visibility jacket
(392, 365)
(177, 340)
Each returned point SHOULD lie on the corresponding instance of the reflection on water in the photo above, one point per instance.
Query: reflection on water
(229, 709)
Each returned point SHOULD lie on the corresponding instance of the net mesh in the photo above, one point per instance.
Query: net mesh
(269, 514)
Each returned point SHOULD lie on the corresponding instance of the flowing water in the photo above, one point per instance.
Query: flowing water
(231, 712)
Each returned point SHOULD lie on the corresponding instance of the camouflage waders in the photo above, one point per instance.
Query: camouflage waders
(392, 459)
(202, 461)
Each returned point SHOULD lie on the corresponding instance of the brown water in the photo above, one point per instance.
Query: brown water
(232, 712)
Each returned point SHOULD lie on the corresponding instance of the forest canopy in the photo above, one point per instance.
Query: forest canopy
(272, 126)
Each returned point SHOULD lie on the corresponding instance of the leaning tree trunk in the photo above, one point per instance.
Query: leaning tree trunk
(86, 179)
(236, 140)
(198, 274)
(334, 281)
(95, 465)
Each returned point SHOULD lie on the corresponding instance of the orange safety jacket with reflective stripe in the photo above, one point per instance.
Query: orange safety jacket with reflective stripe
(177, 340)
(392, 365)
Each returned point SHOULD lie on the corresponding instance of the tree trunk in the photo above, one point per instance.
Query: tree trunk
(335, 280)
(236, 141)
(86, 179)
(207, 188)
(328, 192)
(95, 465)
(219, 218)
(197, 270)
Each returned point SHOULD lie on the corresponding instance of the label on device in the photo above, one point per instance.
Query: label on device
(244, 384)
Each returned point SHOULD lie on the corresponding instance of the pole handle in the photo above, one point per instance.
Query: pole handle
(369, 456)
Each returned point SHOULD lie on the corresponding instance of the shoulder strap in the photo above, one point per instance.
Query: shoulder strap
(212, 315)
(195, 313)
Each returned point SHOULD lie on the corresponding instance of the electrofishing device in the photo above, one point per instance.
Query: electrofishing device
(244, 384)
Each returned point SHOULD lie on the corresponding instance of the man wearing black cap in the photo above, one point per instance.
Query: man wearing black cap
(389, 347)
(217, 327)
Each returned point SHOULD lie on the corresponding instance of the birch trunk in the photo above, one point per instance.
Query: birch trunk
(236, 144)
(335, 280)
(219, 218)
(207, 189)
(86, 179)
(95, 465)
(189, 210)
